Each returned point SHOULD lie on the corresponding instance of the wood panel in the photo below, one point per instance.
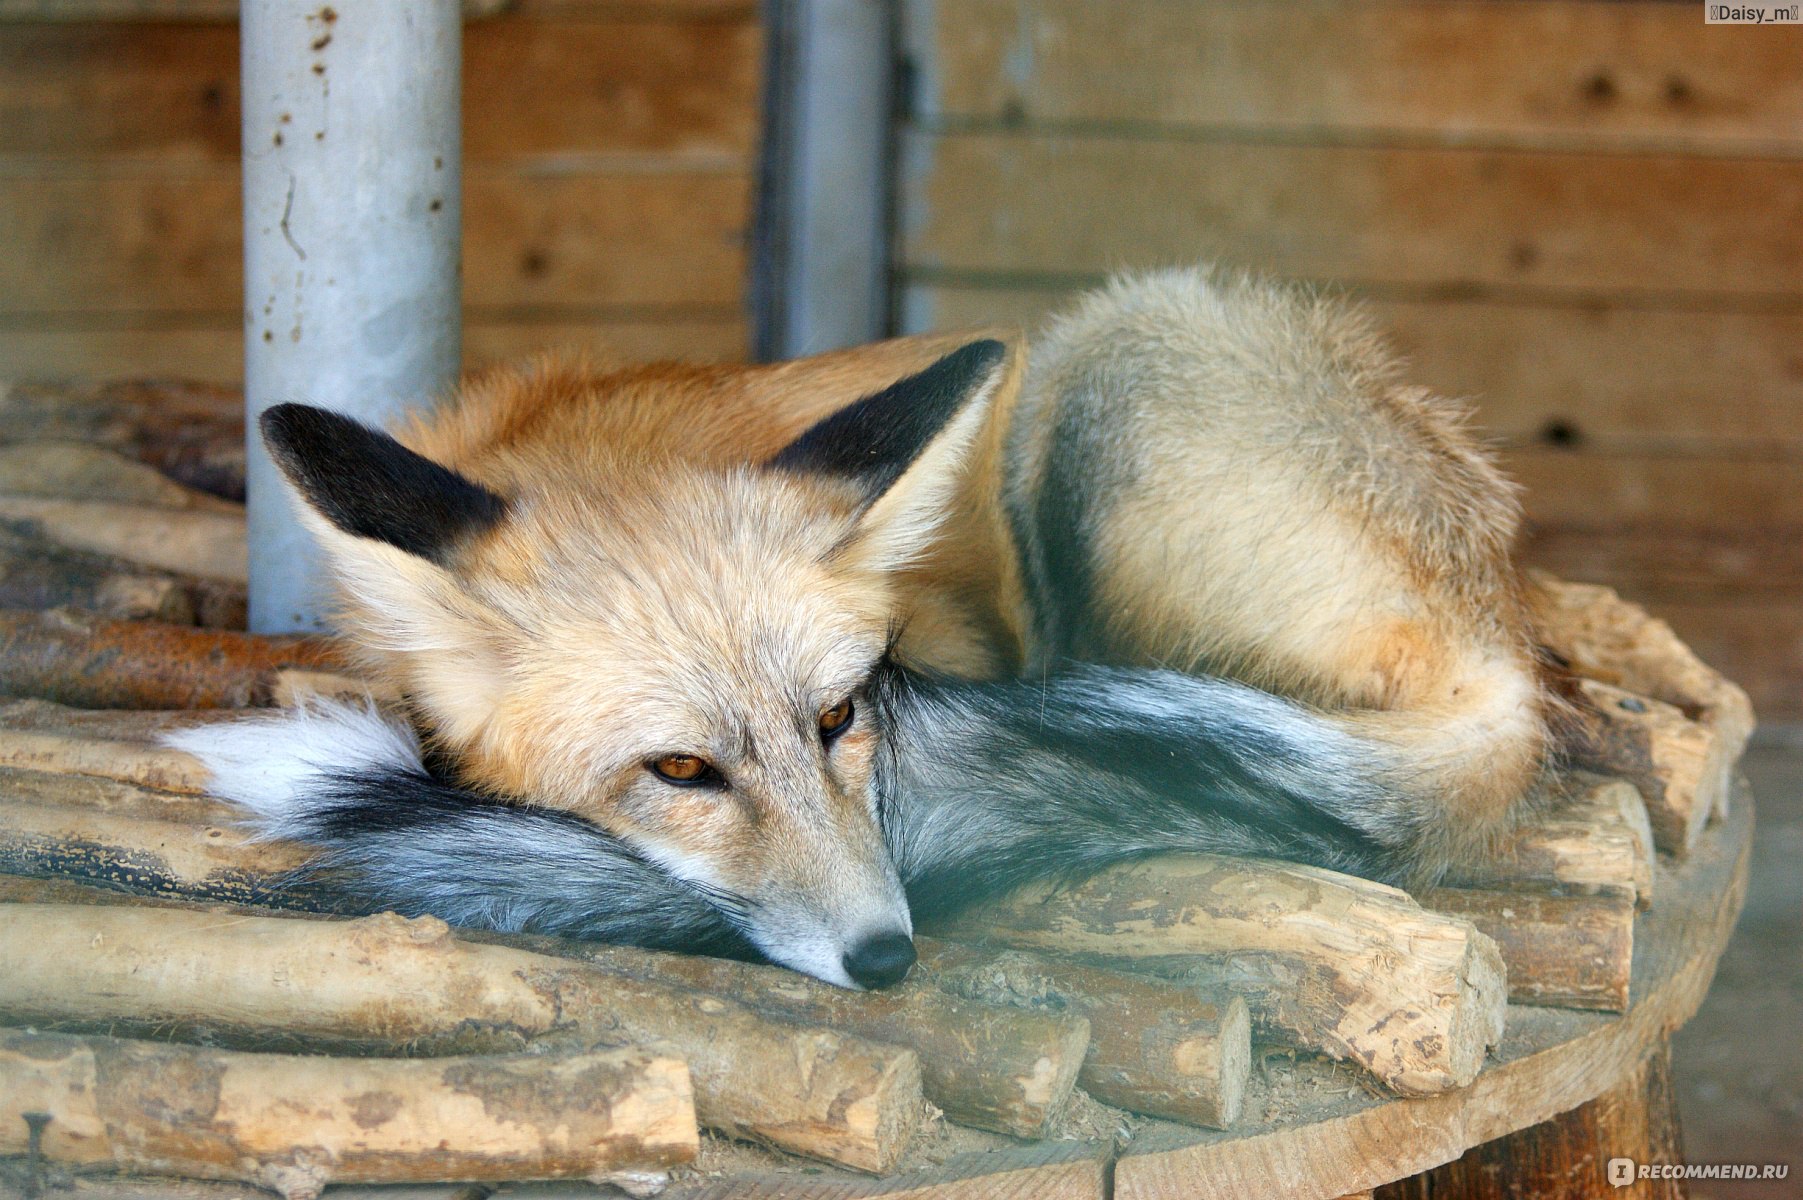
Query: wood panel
(542, 87)
(1588, 374)
(154, 89)
(1625, 490)
(170, 242)
(215, 353)
(1084, 204)
(531, 88)
(226, 11)
(610, 147)
(1557, 72)
(1758, 562)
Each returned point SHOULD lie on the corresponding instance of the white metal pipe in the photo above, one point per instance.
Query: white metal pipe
(825, 270)
(352, 231)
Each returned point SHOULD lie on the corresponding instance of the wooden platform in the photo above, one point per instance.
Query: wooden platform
(1313, 1130)
(1310, 1127)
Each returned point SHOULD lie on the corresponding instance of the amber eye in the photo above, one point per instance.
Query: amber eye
(835, 720)
(683, 768)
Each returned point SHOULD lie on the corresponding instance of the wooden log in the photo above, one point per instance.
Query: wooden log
(1155, 1047)
(142, 725)
(103, 744)
(1561, 949)
(198, 542)
(137, 854)
(193, 433)
(94, 662)
(1605, 638)
(36, 572)
(128, 762)
(1597, 838)
(294, 1124)
(1166, 1051)
(41, 789)
(26, 889)
(1324, 961)
(985, 1065)
(29, 889)
(1680, 767)
(389, 981)
(84, 471)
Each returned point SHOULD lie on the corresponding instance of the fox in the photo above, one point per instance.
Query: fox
(774, 660)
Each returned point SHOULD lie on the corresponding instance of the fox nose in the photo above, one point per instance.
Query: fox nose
(877, 962)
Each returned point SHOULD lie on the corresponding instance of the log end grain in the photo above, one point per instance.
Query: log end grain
(1562, 950)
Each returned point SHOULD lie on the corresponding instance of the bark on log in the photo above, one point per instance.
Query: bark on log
(1598, 838)
(128, 762)
(1561, 950)
(84, 471)
(44, 789)
(27, 889)
(992, 1067)
(193, 433)
(139, 725)
(1170, 1050)
(48, 738)
(196, 541)
(1155, 1047)
(1605, 638)
(159, 857)
(36, 573)
(1681, 767)
(295, 1124)
(388, 981)
(1325, 962)
(93, 662)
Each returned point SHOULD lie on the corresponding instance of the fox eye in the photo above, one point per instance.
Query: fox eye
(684, 770)
(836, 720)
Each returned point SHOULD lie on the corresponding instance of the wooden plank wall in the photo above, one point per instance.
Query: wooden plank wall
(610, 163)
(1587, 215)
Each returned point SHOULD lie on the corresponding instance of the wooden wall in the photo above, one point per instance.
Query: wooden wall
(610, 162)
(1588, 215)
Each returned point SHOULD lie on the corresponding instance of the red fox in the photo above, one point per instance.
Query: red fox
(771, 659)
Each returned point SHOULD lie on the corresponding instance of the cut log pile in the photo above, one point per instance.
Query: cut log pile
(134, 905)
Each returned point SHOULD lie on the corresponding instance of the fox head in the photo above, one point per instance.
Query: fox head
(673, 647)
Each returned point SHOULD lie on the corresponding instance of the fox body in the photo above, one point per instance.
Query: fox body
(750, 657)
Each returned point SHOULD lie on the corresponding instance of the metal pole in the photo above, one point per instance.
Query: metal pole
(823, 264)
(352, 231)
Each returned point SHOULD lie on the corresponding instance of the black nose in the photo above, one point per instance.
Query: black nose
(877, 962)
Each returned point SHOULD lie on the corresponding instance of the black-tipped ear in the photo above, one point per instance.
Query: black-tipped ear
(874, 441)
(366, 483)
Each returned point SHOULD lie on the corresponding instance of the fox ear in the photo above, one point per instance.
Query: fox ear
(364, 483)
(901, 448)
(390, 521)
